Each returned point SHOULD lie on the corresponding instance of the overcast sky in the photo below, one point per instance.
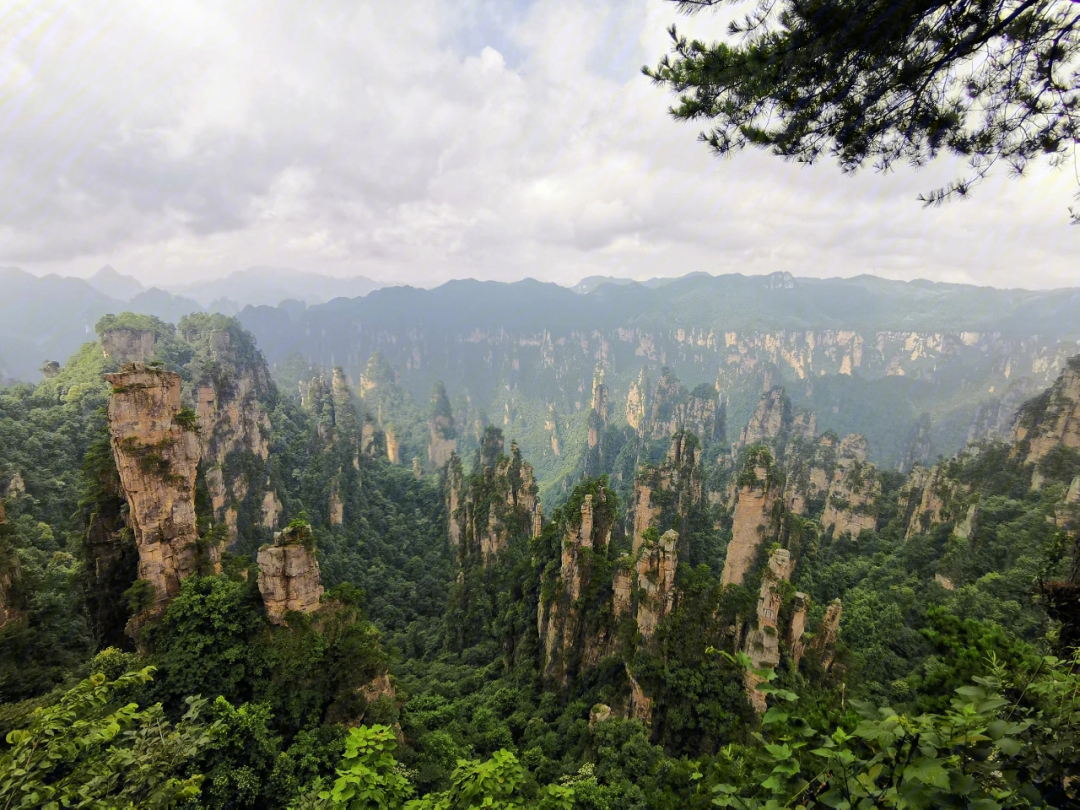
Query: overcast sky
(420, 141)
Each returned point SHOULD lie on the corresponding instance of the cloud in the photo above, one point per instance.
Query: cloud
(431, 140)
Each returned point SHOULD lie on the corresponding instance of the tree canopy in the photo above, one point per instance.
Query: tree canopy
(881, 82)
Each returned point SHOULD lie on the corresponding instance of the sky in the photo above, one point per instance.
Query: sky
(416, 142)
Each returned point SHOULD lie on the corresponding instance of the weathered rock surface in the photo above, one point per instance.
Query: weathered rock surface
(498, 502)
(1051, 419)
(441, 430)
(672, 408)
(393, 446)
(289, 576)
(126, 345)
(637, 401)
(852, 502)
(156, 457)
(232, 425)
(930, 497)
(753, 509)
(656, 582)
(763, 642)
(676, 483)
(824, 643)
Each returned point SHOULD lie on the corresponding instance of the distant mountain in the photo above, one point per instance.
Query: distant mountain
(260, 286)
(587, 285)
(114, 284)
(49, 317)
(866, 355)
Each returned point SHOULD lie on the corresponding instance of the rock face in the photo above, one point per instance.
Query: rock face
(672, 408)
(824, 643)
(918, 448)
(393, 447)
(656, 581)
(1051, 419)
(753, 510)
(157, 453)
(497, 503)
(930, 497)
(637, 402)
(126, 345)
(234, 428)
(800, 611)
(443, 435)
(668, 492)
(763, 642)
(289, 577)
(852, 502)
(567, 638)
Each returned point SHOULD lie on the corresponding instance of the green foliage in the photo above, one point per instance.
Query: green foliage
(985, 750)
(881, 83)
(134, 322)
(84, 751)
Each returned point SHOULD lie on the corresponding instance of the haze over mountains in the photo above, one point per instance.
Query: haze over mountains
(905, 363)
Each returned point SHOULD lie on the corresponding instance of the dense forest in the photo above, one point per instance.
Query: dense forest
(230, 584)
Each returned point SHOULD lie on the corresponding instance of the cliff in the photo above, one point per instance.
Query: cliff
(852, 502)
(442, 433)
(763, 642)
(752, 517)
(824, 641)
(234, 428)
(656, 566)
(665, 495)
(672, 408)
(289, 576)
(572, 631)
(157, 452)
(497, 505)
(1052, 419)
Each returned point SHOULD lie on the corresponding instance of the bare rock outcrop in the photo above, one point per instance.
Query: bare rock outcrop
(763, 642)
(128, 345)
(157, 452)
(289, 576)
(930, 497)
(852, 502)
(672, 408)
(656, 567)
(1051, 419)
(824, 642)
(234, 424)
(637, 402)
(569, 636)
(393, 446)
(442, 433)
(800, 613)
(668, 492)
(751, 520)
(498, 502)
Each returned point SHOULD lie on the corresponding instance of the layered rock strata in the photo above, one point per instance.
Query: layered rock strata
(750, 522)
(289, 576)
(157, 453)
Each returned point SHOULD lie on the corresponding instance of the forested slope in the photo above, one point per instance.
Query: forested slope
(702, 612)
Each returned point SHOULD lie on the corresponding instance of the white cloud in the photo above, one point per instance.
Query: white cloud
(425, 141)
